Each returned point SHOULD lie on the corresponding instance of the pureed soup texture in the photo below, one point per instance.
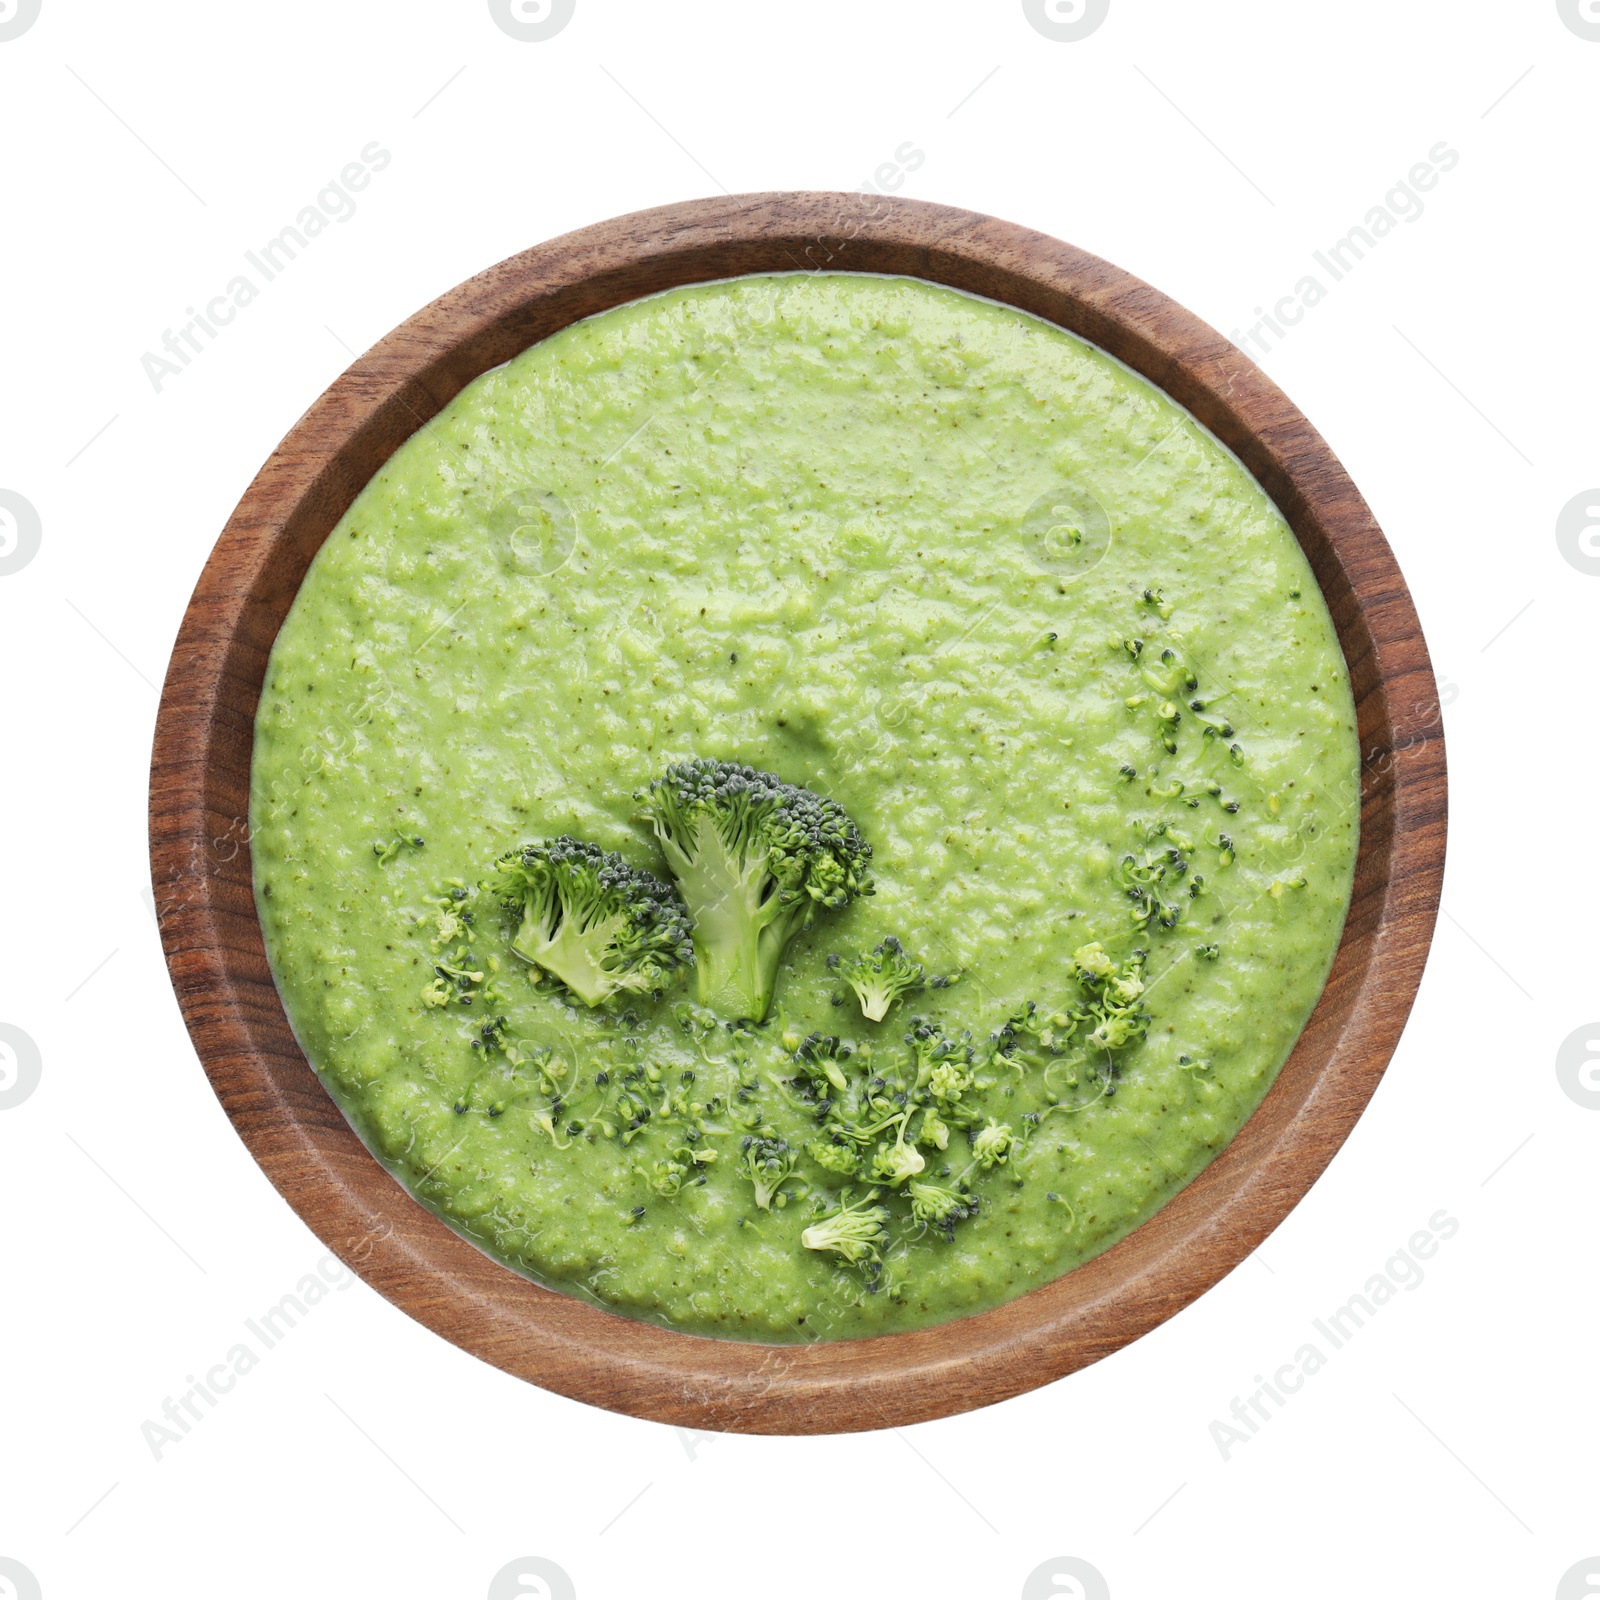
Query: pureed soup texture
(832, 642)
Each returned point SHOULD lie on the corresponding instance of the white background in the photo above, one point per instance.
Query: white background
(1448, 1448)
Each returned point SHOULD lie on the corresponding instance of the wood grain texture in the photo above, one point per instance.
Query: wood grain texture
(199, 803)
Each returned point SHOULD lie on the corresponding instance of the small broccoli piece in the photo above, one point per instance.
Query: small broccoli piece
(932, 1049)
(1092, 963)
(453, 923)
(1115, 1005)
(993, 1143)
(941, 1208)
(451, 985)
(857, 1232)
(547, 1121)
(835, 1156)
(492, 1045)
(667, 1176)
(756, 858)
(1144, 880)
(460, 975)
(491, 1036)
(387, 849)
(1126, 984)
(768, 1164)
(894, 1163)
(949, 1080)
(818, 1055)
(1119, 1028)
(943, 1074)
(882, 977)
(1028, 1030)
(591, 920)
(1157, 603)
(1173, 676)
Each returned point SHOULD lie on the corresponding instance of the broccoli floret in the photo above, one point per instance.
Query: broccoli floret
(882, 977)
(992, 1144)
(590, 919)
(768, 1164)
(941, 1208)
(755, 858)
(857, 1232)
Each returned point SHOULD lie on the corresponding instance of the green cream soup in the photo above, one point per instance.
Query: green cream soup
(1039, 633)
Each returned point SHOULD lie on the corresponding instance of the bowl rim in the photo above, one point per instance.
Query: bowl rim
(199, 794)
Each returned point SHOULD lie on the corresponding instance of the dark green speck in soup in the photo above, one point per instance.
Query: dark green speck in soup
(1041, 637)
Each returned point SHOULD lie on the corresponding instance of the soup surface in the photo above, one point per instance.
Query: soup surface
(1039, 633)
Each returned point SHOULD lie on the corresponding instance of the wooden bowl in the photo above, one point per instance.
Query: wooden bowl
(199, 803)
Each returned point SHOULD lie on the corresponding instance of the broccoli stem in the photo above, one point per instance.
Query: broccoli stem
(740, 930)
